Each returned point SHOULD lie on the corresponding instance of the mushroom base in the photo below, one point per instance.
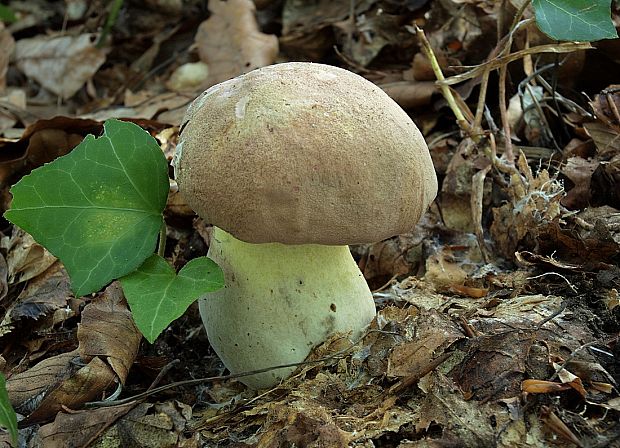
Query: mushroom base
(279, 302)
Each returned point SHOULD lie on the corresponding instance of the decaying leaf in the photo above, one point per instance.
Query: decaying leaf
(45, 299)
(157, 426)
(230, 42)
(109, 343)
(579, 171)
(26, 258)
(27, 389)
(61, 64)
(433, 334)
(80, 428)
(107, 330)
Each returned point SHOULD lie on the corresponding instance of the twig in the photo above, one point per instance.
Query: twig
(445, 90)
(570, 358)
(482, 96)
(508, 152)
(559, 275)
(564, 47)
(163, 373)
(195, 381)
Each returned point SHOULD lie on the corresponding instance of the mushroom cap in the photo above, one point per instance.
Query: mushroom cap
(303, 153)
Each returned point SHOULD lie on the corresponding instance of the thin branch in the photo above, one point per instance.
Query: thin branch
(445, 90)
(565, 47)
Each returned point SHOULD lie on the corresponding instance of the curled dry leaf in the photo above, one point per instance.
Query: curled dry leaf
(108, 345)
(26, 389)
(230, 41)
(83, 385)
(61, 64)
(45, 299)
(107, 330)
(42, 142)
(26, 259)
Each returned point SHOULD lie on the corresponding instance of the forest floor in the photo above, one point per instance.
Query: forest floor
(498, 315)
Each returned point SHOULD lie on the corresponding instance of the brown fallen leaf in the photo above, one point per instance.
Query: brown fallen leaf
(56, 137)
(45, 300)
(543, 387)
(494, 366)
(26, 259)
(443, 405)
(434, 333)
(230, 41)
(606, 138)
(79, 429)
(85, 384)
(579, 171)
(443, 270)
(61, 64)
(107, 330)
(410, 94)
(157, 426)
(26, 389)
(109, 342)
(310, 427)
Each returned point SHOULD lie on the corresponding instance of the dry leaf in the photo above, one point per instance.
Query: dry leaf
(61, 64)
(83, 385)
(434, 333)
(107, 330)
(26, 389)
(410, 94)
(47, 295)
(25, 257)
(579, 171)
(81, 428)
(230, 41)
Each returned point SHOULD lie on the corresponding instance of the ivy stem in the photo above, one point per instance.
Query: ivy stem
(110, 22)
(161, 245)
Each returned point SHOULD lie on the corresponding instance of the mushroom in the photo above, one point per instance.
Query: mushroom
(291, 163)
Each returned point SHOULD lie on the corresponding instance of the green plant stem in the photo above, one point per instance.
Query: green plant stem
(161, 245)
(445, 90)
(109, 23)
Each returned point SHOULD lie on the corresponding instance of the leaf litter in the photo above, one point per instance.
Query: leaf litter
(498, 314)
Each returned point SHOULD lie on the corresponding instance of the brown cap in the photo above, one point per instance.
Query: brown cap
(302, 153)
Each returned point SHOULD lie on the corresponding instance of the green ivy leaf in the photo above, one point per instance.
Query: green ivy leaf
(99, 208)
(582, 20)
(157, 296)
(7, 15)
(8, 419)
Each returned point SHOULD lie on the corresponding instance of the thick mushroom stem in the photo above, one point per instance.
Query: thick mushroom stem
(279, 302)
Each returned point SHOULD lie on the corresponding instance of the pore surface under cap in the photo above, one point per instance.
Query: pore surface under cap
(302, 153)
